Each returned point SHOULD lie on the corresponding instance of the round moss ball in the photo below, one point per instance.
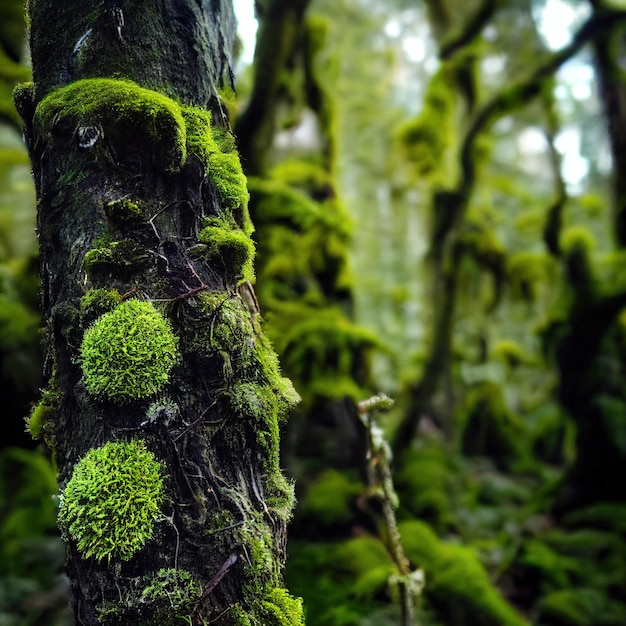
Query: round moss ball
(112, 499)
(127, 353)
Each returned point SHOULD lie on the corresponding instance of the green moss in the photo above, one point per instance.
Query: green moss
(226, 175)
(234, 248)
(456, 583)
(200, 142)
(220, 161)
(526, 272)
(577, 238)
(43, 414)
(96, 302)
(127, 354)
(279, 608)
(169, 594)
(276, 201)
(489, 428)
(168, 598)
(118, 258)
(305, 175)
(124, 210)
(112, 499)
(261, 404)
(426, 138)
(510, 353)
(429, 484)
(323, 339)
(126, 113)
(220, 325)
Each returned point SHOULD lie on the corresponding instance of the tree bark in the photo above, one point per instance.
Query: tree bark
(164, 398)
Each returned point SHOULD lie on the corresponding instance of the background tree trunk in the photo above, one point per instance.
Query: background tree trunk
(164, 398)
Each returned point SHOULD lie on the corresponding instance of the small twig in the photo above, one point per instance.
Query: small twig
(228, 563)
(379, 464)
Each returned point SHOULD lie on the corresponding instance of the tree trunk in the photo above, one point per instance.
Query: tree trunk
(164, 398)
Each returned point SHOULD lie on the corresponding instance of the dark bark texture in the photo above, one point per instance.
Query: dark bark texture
(155, 361)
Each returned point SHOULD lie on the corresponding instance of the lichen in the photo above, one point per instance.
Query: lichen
(127, 354)
(125, 112)
(112, 499)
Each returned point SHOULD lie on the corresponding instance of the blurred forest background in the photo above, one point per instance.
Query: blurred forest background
(439, 194)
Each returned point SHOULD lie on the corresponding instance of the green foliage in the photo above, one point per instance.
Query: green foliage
(31, 554)
(125, 112)
(456, 582)
(112, 500)
(580, 607)
(127, 354)
(330, 499)
(427, 481)
(489, 428)
(342, 583)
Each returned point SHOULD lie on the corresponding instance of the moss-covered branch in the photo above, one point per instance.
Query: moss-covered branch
(470, 30)
(524, 90)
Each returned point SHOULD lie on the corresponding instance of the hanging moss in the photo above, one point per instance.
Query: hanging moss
(511, 354)
(125, 113)
(326, 339)
(127, 354)
(426, 138)
(577, 237)
(111, 501)
(526, 272)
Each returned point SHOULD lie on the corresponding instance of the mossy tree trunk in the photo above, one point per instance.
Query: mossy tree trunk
(164, 398)
(303, 235)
